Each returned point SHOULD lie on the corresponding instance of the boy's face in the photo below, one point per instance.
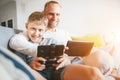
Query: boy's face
(35, 31)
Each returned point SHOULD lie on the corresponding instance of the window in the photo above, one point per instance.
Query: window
(10, 23)
(3, 24)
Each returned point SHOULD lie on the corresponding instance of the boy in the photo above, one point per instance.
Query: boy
(25, 44)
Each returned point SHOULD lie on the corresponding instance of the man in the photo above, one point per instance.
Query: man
(53, 10)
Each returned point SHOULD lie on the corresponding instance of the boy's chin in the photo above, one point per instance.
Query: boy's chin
(36, 41)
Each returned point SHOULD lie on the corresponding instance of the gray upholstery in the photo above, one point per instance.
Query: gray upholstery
(15, 63)
(5, 34)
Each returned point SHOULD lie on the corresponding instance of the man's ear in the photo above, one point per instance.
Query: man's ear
(46, 29)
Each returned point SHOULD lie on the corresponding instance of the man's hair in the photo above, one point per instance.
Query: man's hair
(51, 2)
(38, 16)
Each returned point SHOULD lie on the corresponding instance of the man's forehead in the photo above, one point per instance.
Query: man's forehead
(53, 7)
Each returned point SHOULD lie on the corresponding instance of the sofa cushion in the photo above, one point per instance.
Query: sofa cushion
(5, 34)
(14, 67)
(96, 38)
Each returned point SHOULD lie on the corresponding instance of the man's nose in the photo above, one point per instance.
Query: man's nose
(55, 17)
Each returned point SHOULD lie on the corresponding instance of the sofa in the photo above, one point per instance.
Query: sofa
(100, 41)
(108, 42)
(11, 66)
(6, 34)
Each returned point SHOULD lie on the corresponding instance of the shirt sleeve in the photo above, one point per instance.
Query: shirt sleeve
(21, 43)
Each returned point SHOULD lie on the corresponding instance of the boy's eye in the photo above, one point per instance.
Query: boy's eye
(40, 30)
(32, 28)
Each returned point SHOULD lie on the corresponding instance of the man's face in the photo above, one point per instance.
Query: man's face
(35, 31)
(53, 13)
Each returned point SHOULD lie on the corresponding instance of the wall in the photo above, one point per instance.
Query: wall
(7, 12)
(20, 10)
(85, 16)
(79, 16)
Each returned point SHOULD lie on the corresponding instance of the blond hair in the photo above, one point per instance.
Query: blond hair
(38, 16)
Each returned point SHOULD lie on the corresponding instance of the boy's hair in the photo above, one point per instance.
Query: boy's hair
(38, 16)
(49, 2)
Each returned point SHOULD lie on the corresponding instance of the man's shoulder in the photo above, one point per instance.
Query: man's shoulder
(59, 29)
(62, 31)
(48, 41)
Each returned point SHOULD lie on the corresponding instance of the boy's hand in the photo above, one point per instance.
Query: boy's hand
(36, 63)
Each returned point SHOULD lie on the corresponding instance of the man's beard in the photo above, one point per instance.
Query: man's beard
(53, 25)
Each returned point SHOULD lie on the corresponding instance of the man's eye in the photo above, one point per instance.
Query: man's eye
(51, 14)
(58, 14)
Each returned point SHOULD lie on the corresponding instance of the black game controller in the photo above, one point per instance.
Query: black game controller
(51, 53)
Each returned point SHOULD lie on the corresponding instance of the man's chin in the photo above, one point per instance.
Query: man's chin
(54, 25)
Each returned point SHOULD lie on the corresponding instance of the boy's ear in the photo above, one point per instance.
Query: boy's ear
(26, 25)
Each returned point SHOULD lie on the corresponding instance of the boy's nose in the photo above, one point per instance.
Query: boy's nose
(37, 32)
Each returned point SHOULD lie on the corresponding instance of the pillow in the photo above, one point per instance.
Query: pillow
(13, 64)
(96, 38)
(102, 60)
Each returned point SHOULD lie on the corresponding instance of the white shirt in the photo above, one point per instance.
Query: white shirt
(21, 43)
(61, 36)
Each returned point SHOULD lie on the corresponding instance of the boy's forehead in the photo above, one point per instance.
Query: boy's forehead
(36, 23)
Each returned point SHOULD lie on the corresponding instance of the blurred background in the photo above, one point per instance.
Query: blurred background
(79, 16)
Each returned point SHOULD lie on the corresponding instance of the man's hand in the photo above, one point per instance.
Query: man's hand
(36, 63)
(66, 48)
(63, 61)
